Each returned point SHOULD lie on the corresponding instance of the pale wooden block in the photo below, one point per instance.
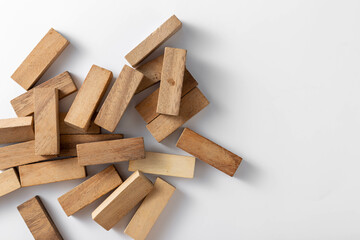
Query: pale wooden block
(118, 98)
(150, 210)
(9, 182)
(88, 98)
(24, 104)
(153, 41)
(40, 59)
(110, 151)
(164, 164)
(209, 152)
(14, 130)
(122, 200)
(51, 171)
(66, 129)
(90, 190)
(152, 73)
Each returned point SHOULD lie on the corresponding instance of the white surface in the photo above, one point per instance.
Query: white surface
(283, 79)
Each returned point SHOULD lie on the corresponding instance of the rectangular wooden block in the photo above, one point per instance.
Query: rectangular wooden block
(152, 73)
(66, 129)
(40, 59)
(164, 164)
(110, 151)
(149, 210)
(209, 152)
(46, 118)
(164, 125)
(153, 41)
(90, 190)
(122, 200)
(88, 98)
(9, 182)
(38, 220)
(51, 171)
(24, 104)
(119, 98)
(15, 130)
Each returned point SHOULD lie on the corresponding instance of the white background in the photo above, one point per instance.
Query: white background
(283, 79)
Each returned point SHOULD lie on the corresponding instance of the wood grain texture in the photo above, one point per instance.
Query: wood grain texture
(51, 171)
(90, 190)
(40, 59)
(150, 210)
(122, 200)
(46, 118)
(24, 104)
(153, 41)
(164, 164)
(118, 98)
(209, 152)
(110, 151)
(192, 103)
(38, 220)
(15, 130)
(9, 181)
(66, 129)
(88, 98)
(152, 73)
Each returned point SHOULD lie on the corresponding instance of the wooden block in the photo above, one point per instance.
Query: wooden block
(164, 125)
(51, 171)
(152, 73)
(110, 151)
(46, 118)
(65, 129)
(122, 200)
(119, 98)
(9, 182)
(40, 59)
(88, 98)
(24, 104)
(164, 164)
(149, 210)
(209, 152)
(90, 190)
(14, 130)
(153, 41)
(38, 220)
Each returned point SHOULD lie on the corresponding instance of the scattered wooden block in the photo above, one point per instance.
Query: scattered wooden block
(14, 130)
(122, 200)
(66, 129)
(110, 151)
(152, 73)
(153, 41)
(164, 164)
(90, 190)
(118, 98)
(38, 220)
(9, 182)
(24, 104)
(149, 210)
(88, 98)
(164, 125)
(209, 152)
(51, 171)
(46, 118)
(40, 59)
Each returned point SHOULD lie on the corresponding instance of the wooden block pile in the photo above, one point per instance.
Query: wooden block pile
(52, 146)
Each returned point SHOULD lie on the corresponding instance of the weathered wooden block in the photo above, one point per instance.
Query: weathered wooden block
(209, 152)
(122, 200)
(152, 73)
(9, 182)
(15, 130)
(66, 129)
(40, 59)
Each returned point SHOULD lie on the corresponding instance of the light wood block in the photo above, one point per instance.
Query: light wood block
(40, 59)
(51, 171)
(209, 152)
(152, 73)
(150, 210)
(88, 98)
(118, 98)
(15, 130)
(24, 104)
(122, 200)
(9, 182)
(110, 151)
(46, 118)
(66, 129)
(153, 41)
(192, 103)
(38, 220)
(90, 190)
(164, 164)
